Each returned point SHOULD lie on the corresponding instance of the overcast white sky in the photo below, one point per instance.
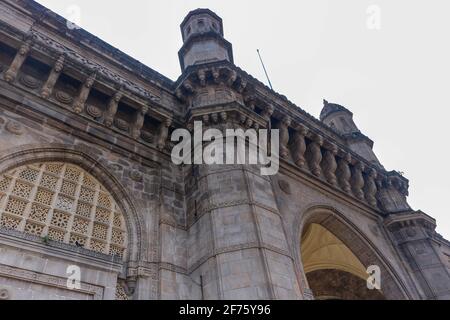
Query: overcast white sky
(395, 80)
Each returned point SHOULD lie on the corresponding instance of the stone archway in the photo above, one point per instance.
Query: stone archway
(91, 164)
(354, 246)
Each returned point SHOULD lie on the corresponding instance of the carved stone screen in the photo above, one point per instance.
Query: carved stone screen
(64, 203)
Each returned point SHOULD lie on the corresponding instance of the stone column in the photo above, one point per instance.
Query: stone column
(413, 233)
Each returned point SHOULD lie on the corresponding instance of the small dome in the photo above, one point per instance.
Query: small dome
(329, 108)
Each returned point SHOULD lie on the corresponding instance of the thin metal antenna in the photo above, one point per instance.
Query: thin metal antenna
(265, 71)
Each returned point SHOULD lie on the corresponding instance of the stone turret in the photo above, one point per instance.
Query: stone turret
(203, 41)
(341, 119)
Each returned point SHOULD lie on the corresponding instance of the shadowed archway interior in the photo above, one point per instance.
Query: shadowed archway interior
(332, 269)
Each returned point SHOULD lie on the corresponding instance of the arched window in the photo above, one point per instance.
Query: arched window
(62, 202)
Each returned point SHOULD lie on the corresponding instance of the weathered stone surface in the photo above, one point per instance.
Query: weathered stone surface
(192, 231)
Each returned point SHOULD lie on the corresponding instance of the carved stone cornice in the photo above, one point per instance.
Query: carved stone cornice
(410, 219)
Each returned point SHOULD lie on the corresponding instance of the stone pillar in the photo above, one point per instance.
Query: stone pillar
(412, 234)
(236, 244)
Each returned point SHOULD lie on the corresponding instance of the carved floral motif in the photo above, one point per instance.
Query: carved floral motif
(63, 97)
(299, 146)
(136, 176)
(29, 81)
(4, 294)
(93, 111)
(121, 124)
(14, 128)
(315, 155)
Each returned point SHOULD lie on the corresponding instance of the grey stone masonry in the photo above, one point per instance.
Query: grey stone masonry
(87, 181)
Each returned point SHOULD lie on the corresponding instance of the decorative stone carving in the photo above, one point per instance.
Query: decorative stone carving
(216, 75)
(249, 124)
(315, 155)
(205, 119)
(136, 176)
(47, 212)
(284, 136)
(215, 117)
(358, 181)
(242, 118)
(93, 111)
(19, 59)
(79, 103)
(250, 102)
(232, 78)
(112, 108)
(163, 133)
(53, 77)
(299, 146)
(267, 112)
(400, 185)
(147, 136)
(242, 85)
(63, 97)
(138, 122)
(179, 94)
(223, 116)
(4, 294)
(29, 81)
(344, 173)
(284, 185)
(202, 77)
(188, 86)
(121, 124)
(330, 165)
(115, 167)
(14, 128)
(370, 188)
(121, 293)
